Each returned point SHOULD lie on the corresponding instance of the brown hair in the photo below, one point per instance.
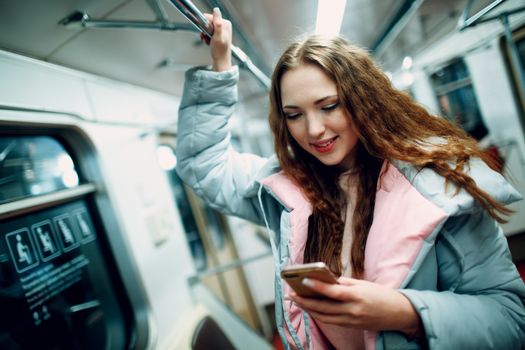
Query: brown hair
(390, 126)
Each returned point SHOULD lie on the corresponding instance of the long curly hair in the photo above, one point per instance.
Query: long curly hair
(390, 126)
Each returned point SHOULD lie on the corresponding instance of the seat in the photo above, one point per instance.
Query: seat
(208, 335)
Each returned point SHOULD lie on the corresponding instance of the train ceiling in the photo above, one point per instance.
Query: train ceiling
(156, 58)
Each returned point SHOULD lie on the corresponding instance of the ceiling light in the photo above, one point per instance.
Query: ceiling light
(166, 158)
(407, 62)
(329, 16)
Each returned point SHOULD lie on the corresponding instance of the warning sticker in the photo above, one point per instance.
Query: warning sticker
(84, 223)
(22, 250)
(65, 232)
(45, 239)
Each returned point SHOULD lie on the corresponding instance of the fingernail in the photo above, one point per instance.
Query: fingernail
(287, 297)
(217, 10)
(308, 282)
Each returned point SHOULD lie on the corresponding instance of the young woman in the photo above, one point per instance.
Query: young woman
(402, 205)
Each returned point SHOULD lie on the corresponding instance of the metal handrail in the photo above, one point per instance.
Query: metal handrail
(196, 17)
(465, 21)
(80, 19)
(226, 267)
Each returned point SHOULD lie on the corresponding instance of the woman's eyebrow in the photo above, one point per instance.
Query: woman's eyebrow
(316, 102)
(321, 100)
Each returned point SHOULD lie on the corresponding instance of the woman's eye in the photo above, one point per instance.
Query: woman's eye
(292, 116)
(330, 107)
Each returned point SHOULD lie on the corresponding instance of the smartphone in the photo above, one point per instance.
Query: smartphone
(294, 275)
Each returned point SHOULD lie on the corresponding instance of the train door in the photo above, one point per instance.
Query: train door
(62, 265)
(209, 236)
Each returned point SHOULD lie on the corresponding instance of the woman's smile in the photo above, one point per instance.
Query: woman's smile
(324, 146)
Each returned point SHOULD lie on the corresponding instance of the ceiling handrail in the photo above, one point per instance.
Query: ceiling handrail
(80, 19)
(196, 17)
(465, 22)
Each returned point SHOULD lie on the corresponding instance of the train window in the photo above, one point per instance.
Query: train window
(513, 61)
(456, 98)
(521, 50)
(215, 227)
(58, 288)
(34, 165)
(188, 221)
(167, 162)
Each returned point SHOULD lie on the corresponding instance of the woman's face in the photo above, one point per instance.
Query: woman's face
(315, 118)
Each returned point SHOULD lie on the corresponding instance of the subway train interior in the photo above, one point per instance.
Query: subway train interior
(102, 246)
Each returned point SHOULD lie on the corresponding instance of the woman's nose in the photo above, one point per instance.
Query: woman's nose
(316, 126)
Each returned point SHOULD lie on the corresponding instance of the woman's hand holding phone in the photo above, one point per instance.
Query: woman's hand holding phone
(359, 304)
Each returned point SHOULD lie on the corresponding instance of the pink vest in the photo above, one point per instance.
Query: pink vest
(403, 219)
